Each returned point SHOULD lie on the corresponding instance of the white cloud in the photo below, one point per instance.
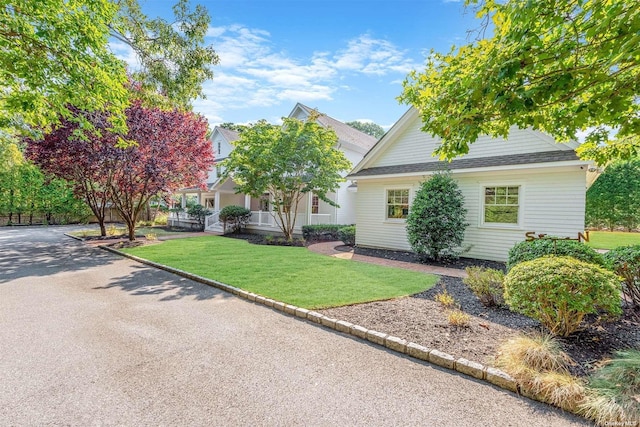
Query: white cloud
(253, 73)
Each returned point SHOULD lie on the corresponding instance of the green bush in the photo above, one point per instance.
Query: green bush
(625, 262)
(487, 284)
(559, 291)
(614, 391)
(233, 217)
(199, 213)
(322, 232)
(436, 221)
(528, 251)
(348, 235)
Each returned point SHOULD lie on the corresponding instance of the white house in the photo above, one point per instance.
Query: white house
(221, 192)
(529, 183)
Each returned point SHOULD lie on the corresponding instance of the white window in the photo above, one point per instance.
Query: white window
(219, 148)
(315, 204)
(501, 205)
(397, 203)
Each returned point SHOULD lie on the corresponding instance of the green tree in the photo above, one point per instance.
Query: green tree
(436, 221)
(369, 128)
(558, 66)
(614, 198)
(288, 162)
(55, 55)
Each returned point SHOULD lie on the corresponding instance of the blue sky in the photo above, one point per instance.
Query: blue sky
(347, 58)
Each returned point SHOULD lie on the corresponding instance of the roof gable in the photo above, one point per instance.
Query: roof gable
(345, 133)
(405, 143)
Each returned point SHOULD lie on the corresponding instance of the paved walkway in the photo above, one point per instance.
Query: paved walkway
(328, 248)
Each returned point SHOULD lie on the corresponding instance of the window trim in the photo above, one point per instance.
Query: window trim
(386, 219)
(502, 225)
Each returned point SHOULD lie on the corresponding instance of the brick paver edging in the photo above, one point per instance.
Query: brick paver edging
(417, 351)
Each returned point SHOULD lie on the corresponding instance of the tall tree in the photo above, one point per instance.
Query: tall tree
(88, 162)
(55, 54)
(558, 66)
(171, 151)
(369, 128)
(288, 162)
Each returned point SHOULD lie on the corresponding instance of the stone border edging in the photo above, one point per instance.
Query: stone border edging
(411, 349)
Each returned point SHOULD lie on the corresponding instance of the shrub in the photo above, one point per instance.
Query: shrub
(614, 390)
(487, 284)
(458, 318)
(199, 213)
(560, 291)
(436, 221)
(322, 232)
(540, 367)
(234, 217)
(528, 251)
(348, 235)
(445, 299)
(625, 262)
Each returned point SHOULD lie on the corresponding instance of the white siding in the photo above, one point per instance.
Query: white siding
(552, 200)
(414, 146)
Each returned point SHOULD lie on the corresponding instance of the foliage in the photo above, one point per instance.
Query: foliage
(348, 235)
(560, 290)
(530, 250)
(292, 275)
(170, 151)
(614, 198)
(458, 318)
(321, 232)
(28, 195)
(625, 261)
(486, 284)
(614, 390)
(172, 57)
(56, 58)
(89, 163)
(288, 162)
(436, 221)
(55, 55)
(445, 299)
(198, 212)
(540, 366)
(369, 128)
(235, 217)
(560, 67)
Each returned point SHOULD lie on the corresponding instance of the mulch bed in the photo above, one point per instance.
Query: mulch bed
(421, 319)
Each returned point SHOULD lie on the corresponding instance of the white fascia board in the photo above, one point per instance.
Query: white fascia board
(568, 163)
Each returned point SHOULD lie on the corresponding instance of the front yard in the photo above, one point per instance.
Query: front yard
(612, 239)
(289, 274)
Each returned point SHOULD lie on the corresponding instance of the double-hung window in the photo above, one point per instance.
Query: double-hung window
(502, 205)
(397, 204)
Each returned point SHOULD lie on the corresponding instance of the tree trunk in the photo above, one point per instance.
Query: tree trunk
(103, 229)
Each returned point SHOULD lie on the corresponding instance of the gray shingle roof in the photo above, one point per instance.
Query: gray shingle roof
(344, 131)
(229, 135)
(507, 160)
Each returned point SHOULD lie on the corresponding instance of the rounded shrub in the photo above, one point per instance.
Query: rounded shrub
(625, 262)
(530, 250)
(234, 217)
(559, 291)
(348, 235)
(487, 284)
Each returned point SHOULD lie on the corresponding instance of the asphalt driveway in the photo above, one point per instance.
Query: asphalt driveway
(89, 338)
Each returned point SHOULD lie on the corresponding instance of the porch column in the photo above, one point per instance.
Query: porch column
(216, 201)
(199, 197)
(309, 206)
(247, 201)
(183, 200)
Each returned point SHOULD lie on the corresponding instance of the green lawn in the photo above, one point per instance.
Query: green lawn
(612, 239)
(288, 274)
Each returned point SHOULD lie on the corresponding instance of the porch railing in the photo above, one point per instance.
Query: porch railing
(211, 220)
